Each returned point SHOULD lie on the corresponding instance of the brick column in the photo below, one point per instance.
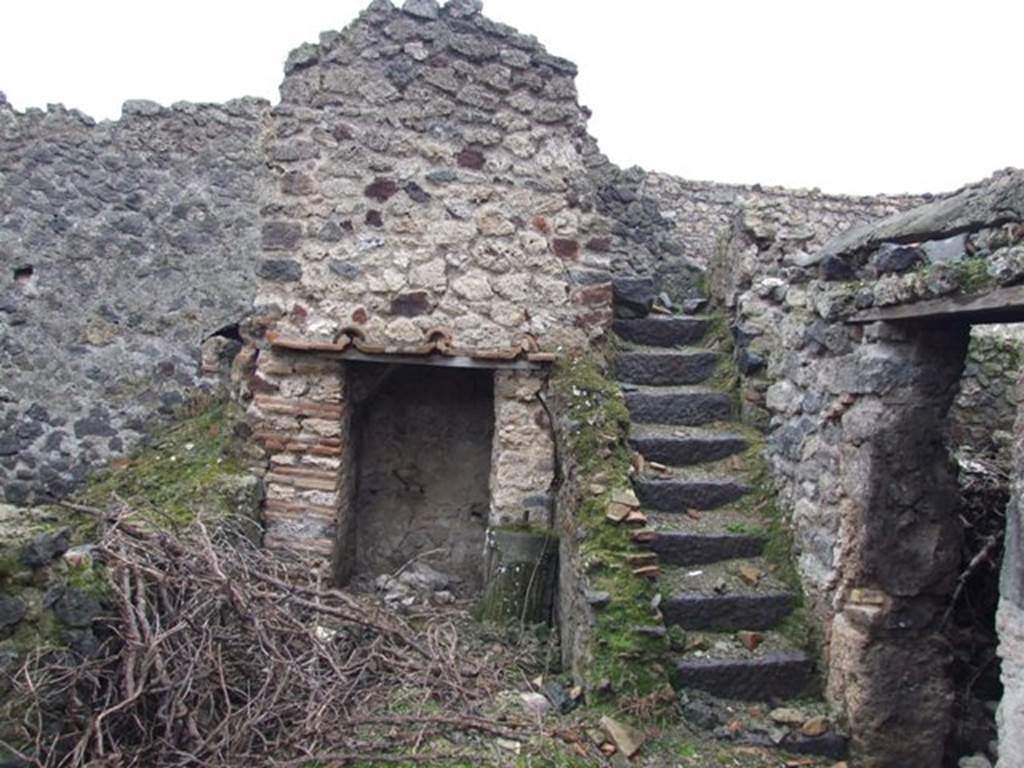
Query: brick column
(301, 419)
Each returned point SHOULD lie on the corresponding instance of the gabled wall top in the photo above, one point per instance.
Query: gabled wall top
(424, 169)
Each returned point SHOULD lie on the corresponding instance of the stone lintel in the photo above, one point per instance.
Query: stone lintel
(1000, 305)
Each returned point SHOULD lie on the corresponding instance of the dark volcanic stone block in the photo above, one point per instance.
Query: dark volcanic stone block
(411, 304)
(680, 495)
(280, 270)
(681, 548)
(12, 611)
(727, 613)
(781, 675)
(661, 331)
(634, 296)
(679, 408)
(831, 744)
(897, 258)
(281, 235)
(665, 367)
(679, 451)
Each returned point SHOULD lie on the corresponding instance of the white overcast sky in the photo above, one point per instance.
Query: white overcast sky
(857, 96)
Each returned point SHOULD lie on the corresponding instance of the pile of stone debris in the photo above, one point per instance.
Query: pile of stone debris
(417, 583)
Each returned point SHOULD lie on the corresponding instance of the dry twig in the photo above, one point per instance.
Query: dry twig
(219, 654)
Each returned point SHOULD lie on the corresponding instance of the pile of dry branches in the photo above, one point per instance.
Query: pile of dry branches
(984, 494)
(218, 654)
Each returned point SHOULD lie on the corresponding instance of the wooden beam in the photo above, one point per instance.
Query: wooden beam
(444, 361)
(1000, 305)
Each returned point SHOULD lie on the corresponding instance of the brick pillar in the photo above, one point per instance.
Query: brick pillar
(300, 417)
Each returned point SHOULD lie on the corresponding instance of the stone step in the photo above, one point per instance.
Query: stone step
(686, 548)
(665, 367)
(780, 675)
(679, 495)
(678, 406)
(680, 450)
(662, 331)
(728, 612)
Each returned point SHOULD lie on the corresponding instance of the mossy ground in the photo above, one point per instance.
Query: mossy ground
(664, 747)
(180, 472)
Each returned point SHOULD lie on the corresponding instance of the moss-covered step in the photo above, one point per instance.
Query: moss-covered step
(658, 366)
(679, 448)
(661, 331)
(682, 494)
(680, 406)
(779, 675)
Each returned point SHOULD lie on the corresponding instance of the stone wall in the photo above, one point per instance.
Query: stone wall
(672, 228)
(858, 432)
(1010, 620)
(985, 409)
(425, 167)
(800, 367)
(422, 163)
(122, 245)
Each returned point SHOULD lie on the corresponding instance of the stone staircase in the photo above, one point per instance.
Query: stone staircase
(716, 586)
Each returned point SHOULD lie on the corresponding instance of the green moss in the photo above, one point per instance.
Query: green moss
(88, 577)
(624, 663)
(10, 564)
(45, 631)
(685, 749)
(181, 471)
(726, 377)
(746, 529)
(972, 275)
(760, 504)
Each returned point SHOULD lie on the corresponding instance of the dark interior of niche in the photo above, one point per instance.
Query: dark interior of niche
(24, 273)
(423, 461)
(984, 485)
